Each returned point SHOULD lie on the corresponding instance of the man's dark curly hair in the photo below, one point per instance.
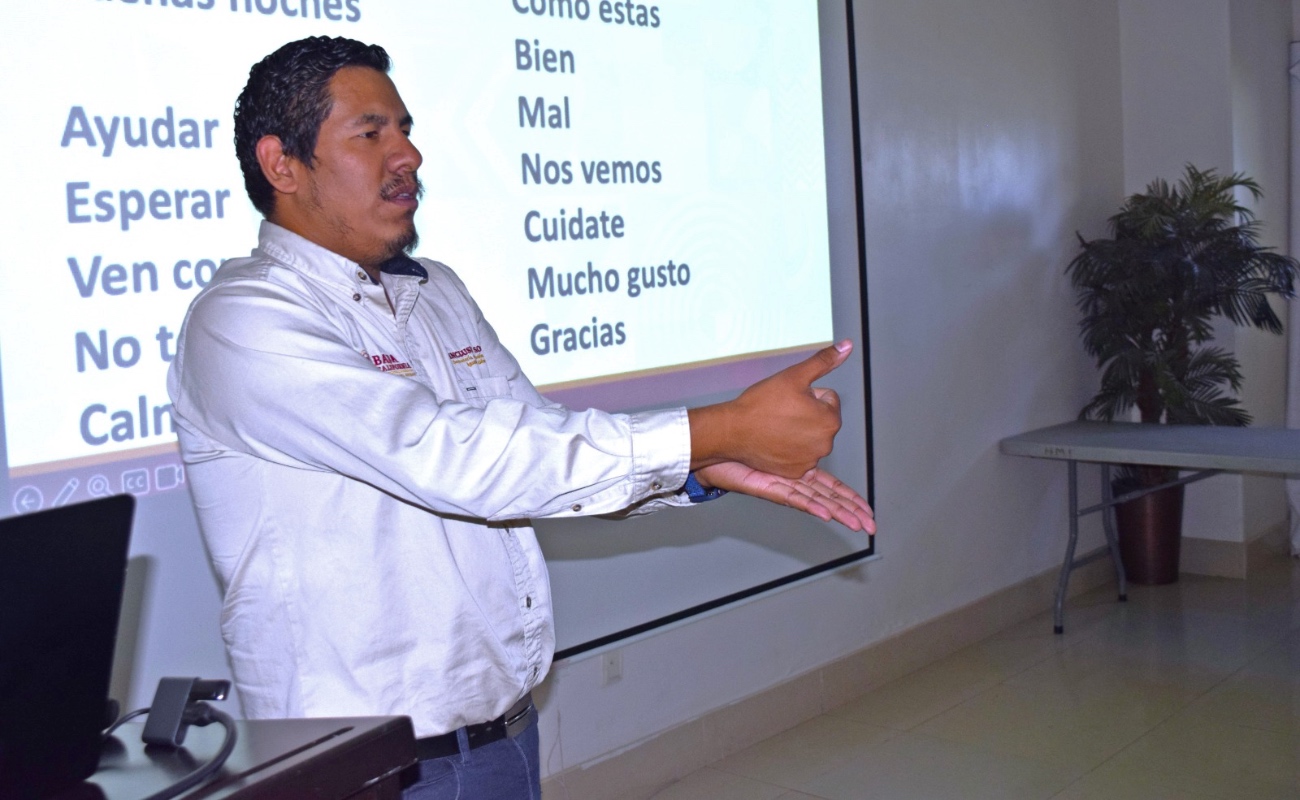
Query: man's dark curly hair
(287, 95)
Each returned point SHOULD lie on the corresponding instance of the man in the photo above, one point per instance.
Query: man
(364, 495)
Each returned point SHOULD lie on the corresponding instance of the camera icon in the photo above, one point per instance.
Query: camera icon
(168, 476)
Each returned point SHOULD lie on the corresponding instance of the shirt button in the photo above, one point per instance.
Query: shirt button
(361, 275)
(356, 296)
(528, 602)
(577, 507)
(656, 486)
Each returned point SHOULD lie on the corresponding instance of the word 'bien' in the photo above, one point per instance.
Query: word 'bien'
(540, 59)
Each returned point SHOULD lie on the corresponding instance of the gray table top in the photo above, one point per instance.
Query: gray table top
(1275, 450)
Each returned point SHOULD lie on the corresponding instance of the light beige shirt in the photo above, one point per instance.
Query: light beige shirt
(364, 475)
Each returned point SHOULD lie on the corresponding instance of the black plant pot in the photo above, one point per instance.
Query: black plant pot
(1150, 535)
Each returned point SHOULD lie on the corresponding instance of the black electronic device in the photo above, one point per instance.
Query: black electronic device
(62, 575)
(167, 721)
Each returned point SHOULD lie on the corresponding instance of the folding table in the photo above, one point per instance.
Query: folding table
(1207, 449)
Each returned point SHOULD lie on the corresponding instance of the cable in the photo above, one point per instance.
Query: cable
(201, 714)
(137, 713)
(196, 713)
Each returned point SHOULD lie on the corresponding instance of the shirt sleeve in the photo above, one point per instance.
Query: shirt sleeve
(264, 369)
(669, 495)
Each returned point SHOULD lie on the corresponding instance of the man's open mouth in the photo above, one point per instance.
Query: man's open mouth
(403, 192)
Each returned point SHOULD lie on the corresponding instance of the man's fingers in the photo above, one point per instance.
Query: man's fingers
(827, 509)
(845, 503)
(820, 364)
(815, 492)
(798, 497)
(827, 396)
(829, 484)
(847, 513)
(814, 499)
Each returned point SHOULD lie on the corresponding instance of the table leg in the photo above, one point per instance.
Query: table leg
(1112, 537)
(1058, 618)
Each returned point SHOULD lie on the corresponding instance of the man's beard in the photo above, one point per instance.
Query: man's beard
(410, 238)
(406, 243)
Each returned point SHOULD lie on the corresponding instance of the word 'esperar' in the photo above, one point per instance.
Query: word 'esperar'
(130, 205)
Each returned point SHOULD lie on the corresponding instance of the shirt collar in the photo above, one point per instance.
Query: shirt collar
(306, 256)
(402, 264)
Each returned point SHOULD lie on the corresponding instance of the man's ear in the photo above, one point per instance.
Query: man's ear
(281, 170)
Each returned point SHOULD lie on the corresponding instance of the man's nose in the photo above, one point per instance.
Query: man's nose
(407, 157)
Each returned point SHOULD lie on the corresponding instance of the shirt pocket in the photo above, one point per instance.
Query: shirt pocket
(477, 391)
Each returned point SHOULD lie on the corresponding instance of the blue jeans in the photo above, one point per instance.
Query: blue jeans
(507, 769)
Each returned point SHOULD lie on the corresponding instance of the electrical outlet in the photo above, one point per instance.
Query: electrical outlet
(612, 666)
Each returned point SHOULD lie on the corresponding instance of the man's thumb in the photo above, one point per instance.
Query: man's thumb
(821, 363)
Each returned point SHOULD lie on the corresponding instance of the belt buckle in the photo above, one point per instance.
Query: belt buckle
(517, 721)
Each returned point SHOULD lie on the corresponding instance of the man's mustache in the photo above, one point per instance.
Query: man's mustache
(407, 184)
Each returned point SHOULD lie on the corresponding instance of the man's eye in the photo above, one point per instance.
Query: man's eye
(370, 135)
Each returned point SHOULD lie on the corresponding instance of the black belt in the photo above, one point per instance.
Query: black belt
(507, 726)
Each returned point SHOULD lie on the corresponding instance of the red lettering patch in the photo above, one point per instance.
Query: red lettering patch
(468, 356)
(465, 352)
(390, 363)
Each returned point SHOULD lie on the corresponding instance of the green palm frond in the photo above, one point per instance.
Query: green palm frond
(1179, 256)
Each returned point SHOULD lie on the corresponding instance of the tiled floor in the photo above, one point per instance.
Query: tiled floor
(1187, 691)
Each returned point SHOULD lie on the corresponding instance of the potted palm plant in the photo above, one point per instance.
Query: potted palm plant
(1178, 257)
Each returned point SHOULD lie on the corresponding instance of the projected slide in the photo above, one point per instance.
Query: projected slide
(634, 193)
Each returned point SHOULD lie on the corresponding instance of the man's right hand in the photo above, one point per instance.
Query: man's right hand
(818, 493)
(782, 425)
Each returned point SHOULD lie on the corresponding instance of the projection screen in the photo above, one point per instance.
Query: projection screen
(654, 204)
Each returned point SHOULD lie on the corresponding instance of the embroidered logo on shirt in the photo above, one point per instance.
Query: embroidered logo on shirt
(390, 363)
(469, 356)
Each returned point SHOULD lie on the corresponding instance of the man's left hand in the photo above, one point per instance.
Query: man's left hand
(816, 492)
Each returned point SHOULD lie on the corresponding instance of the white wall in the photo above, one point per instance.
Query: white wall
(991, 132)
(1177, 88)
(1293, 320)
(1205, 82)
(1261, 149)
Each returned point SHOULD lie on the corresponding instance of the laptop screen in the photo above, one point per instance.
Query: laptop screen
(62, 573)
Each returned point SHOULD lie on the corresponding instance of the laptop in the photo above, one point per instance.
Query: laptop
(62, 573)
